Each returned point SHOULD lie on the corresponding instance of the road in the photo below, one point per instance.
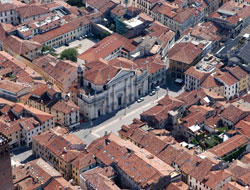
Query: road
(113, 121)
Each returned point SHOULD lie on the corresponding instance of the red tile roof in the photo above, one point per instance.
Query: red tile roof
(231, 144)
(102, 49)
(196, 74)
(70, 26)
(32, 10)
(237, 72)
(210, 82)
(184, 52)
(243, 127)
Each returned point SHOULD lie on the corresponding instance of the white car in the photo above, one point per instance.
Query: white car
(152, 93)
(157, 88)
(140, 100)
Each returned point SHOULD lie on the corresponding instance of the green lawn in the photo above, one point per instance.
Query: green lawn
(212, 141)
(222, 129)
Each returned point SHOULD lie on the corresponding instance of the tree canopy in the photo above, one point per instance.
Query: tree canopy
(69, 54)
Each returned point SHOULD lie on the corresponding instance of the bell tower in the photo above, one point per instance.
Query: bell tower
(6, 179)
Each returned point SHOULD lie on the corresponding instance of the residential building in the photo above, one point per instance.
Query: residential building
(15, 70)
(163, 34)
(64, 34)
(177, 186)
(243, 78)
(82, 164)
(243, 128)
(59, 149)
(178, 17)
(12, 91)
(8, 14)
(62, 73)
(130, 156)
(20, 123)
(98, 178)
(156, 70)
(6, 180)
(231, 84)
(31, 12)
(143, 136)
(169, 109)
(103, 7)
(234, 113)
(144, 5)
(109, 48)
(210, 84)
(21, 49)
(196, 75)
(232, 17)
(39, 174)
(109, 86)
(181, 57)
(231, 145)
(213, 179)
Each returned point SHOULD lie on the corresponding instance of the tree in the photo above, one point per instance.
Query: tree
(69, 54)
(47, 48)
(77, 3)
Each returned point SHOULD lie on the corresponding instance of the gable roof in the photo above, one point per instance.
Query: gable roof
(231, 144)
(184, 52)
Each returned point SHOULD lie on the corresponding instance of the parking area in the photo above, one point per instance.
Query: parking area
(80, 45)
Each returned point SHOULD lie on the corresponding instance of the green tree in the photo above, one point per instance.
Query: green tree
(47, 48)
(77, 3)
(69, 54)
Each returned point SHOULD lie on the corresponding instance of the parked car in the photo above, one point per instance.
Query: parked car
(152, 93)
(80, 38)
(157, 88)
(140, 100)
(66, 44)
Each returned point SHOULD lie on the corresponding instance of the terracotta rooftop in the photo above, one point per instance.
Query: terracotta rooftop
(102, 49)
(32, 10)
(243, 127)
(70, 26)
(12, 86)
(226, 77)
(36, 173)
(99, 179)
(184, 52)
(233, 186)
(214, 178)
(237, 72)
(231, 144)
(210, 82)
(177, 186)
(65, 107)
(232, 113)
(19, 46)
(196, 73)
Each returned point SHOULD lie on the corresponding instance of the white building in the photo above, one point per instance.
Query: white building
(230, 84)
(195, 75)
(106, 88)
(8, 14)
(64, 34)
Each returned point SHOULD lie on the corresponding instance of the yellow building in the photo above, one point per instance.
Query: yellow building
(181, 57)
(243, 78)
(82, 164)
